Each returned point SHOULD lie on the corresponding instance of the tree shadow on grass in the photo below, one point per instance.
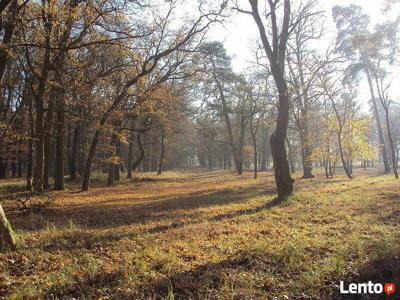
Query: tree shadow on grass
(75, 239)
(103, 216)
(383, 269)
(201, 282)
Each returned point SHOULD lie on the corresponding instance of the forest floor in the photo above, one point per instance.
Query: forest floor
(203, 234)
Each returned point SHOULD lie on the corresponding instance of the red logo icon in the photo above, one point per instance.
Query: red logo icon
(389, 288)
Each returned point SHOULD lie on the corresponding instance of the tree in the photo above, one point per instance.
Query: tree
(383, 96)
(276, 53)
(159, 48)
(358, 45)
(225, 92)
(304, 67)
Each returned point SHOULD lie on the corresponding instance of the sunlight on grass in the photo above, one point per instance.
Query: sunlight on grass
(213, 234)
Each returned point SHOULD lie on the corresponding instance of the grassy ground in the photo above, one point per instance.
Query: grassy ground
(202, 235)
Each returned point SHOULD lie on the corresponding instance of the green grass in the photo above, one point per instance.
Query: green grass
(206, 235)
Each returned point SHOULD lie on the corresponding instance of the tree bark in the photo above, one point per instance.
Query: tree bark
(284, 181)
(74, 152)
(264, 150)
(306, 152)
(276, 56)
(378, 123)
(7, 238)
(290, 156)
(48, 143)
(160, 165)
(130, 154)
(117, 165)
(60, 139)
(346, 169)
(394, 162)
(8, 27)
(253, 135)
(141, 153)
(39, 107)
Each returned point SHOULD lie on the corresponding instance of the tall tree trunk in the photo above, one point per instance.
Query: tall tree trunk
(111, 174)
(254, 138)
(238, 160)
(39, 148)
(284, 181)
(118, 153)
(39, 107)
(111, 163)
(130, 154)
(20, 162)
(74, 152)
(13, 167)
(60, 139)
(345, 166)
(276, 55)
(392, 148)
(264, 149)
(306, 152)
(225, 157)
(89, 161)
(209, 159)
(241, 145)
(48, 143)
(8, 25)
(378, 123)
(30, 149)
(162, 151)
(290, 156)
(140, 157)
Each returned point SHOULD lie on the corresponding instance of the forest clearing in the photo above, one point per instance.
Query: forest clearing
(201, 234)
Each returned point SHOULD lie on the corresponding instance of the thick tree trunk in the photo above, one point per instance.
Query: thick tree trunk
(141, 153)
(39, 107)
(7, 238)
(284, 181)
(8, 25)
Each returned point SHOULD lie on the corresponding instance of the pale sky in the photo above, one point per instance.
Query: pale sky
(239, 33)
